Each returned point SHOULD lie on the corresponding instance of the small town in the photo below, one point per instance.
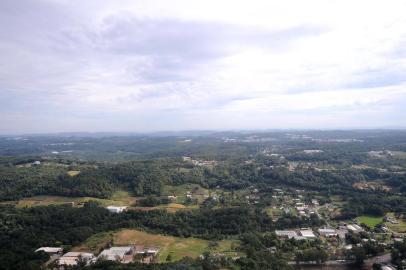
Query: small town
(336, 238)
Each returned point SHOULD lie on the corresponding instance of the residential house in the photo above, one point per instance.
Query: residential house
(307, 233)
(327, 232)
(354, 228)
(120, 254)
(286, 234)
(72, 258)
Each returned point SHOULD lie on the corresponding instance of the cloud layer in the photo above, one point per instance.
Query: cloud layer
(172, 65)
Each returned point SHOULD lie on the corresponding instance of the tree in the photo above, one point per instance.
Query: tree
(359, 255)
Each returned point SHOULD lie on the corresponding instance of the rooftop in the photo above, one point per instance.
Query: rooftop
(115, 253)
(50, 249)
(307, 233)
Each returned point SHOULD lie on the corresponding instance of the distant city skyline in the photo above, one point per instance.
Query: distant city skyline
(156, 65)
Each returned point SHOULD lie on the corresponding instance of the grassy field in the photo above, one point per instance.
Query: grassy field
(120, 198)
(370, 221)
(73, 173)
(176, 246)
(173, 207)
(274, 213)
(337, 200)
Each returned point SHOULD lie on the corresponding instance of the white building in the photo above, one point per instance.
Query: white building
(50, 250)
(115, 253)
(315, 202)
(72, 258)
(302, 213)
(328, 232)
(354, 228)
(116, 209)
(149, 251)
(307, 234)
(348, 247)
(286, 234)
(152, 251)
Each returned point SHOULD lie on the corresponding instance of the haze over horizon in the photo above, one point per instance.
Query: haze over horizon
(142, 66)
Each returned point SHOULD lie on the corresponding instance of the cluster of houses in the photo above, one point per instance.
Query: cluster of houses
(300, 235)
(200, 162)
(128, 253)
(125, 254)
(391, 220)
(193, 195)
(253, 197)
(287, 203)
(380, 154)
(313, 151)
(307, 234)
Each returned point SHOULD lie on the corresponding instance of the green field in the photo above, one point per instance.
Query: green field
(370, 221)
(176, 246)
(119, 198)
(173, 207)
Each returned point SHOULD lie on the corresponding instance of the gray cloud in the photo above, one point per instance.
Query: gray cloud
(174, 47)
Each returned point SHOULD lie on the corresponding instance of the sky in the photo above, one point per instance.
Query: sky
(153, 65)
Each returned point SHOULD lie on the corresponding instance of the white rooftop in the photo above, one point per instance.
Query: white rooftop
(116, 209)
(77, 254)
(327, 231)
(289, 234)
(114, 253)
(307, 233)
(50, 249)
(354, 227)
(71, 258)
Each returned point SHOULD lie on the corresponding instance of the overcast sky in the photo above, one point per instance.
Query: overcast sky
(99, 65)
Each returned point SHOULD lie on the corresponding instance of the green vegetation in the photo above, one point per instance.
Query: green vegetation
(119, 198)
(274, 213)
(232, 192)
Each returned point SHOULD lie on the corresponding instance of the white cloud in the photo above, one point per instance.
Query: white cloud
(150, 65)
